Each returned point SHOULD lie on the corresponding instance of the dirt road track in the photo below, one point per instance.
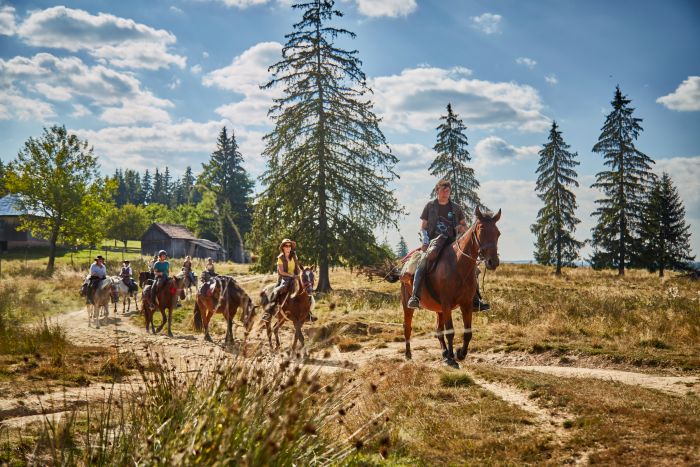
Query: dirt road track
(188, 352)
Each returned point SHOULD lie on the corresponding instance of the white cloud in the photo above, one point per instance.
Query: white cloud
(205, 54)
(390, 8)
(244, 76)
(80, 110)
(119, 41)
(488, 23)
(15, 106)
(176, 145)
(551, 79)
(243, 3)
(176, 10)
(174, 84)
(686, 97)
(494, 151)
(7, 21)
(528, 62)
(64, 79)
(415, 100)
(196, 69)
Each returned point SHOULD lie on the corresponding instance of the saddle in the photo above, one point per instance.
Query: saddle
(431, 257)
(207, 288)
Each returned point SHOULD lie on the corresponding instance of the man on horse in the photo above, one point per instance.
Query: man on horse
(161, 268)
(441, 221)
(187, 269)
(288, 268)
(127, 276)
(98, 272)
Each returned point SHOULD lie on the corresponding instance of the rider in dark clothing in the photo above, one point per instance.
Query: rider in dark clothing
(441, 221)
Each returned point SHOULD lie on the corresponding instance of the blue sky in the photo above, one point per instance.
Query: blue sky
(150, 84)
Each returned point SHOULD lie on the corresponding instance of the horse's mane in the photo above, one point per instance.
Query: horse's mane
(106, 282)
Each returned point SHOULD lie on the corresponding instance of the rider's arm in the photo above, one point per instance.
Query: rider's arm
(425, 240)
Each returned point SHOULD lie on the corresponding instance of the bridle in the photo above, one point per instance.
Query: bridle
(480, 254)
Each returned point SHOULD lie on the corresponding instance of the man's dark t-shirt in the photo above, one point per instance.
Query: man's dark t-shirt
(447, 220)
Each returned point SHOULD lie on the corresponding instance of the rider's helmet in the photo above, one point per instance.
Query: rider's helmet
(162, 253)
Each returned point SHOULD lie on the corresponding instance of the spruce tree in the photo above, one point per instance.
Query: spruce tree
(157, 189)
(167, 188)
(452, 159)
(187, 185)
(664, 235)
(146, 188)
(226, 177)
(556, 221)
(624, 185)
(401, 248)
(328, 164)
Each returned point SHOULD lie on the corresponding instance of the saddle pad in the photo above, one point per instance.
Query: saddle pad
(409, 267)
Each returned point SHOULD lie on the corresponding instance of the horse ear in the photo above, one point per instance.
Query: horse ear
(477, 213)
(497, 217)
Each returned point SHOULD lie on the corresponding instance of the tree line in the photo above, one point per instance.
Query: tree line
(327, 176)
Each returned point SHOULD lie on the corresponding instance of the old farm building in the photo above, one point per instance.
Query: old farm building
(10, 237)
(178, 242)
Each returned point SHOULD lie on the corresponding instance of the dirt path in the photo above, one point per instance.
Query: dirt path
(190, 353)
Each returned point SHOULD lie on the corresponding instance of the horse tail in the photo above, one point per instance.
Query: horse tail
(197, 322)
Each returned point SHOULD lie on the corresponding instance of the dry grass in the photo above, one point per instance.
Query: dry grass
(623, 424)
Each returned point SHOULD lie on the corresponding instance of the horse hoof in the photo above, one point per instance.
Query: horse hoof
(170, 334)
(461, 354)
(208, 338)
(451, 363)
(446, 354)
(408, 356)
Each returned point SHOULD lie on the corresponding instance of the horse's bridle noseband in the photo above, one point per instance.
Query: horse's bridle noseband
(480, 255)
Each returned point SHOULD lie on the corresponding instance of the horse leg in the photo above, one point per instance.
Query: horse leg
(276, 330)
(268, 328)
(450, 334)
(97, 315)
(439, 332)
(229, 328)
(170, 318)
(206, 318)
(298, 335)
(467, 320)
(407, 321)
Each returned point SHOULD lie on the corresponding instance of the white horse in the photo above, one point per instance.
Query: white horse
(100, 299)
(124, 295)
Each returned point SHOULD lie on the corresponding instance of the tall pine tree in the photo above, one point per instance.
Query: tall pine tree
(147, 188)
(226, 177)
(328, 164)
(452, 159)
(401, 248)
(664, 235)
(624, 185)
(556, 221)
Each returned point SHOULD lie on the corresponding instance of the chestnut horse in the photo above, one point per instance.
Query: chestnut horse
(225, 298)
(452, 282)
(296, 307)
(166, 298)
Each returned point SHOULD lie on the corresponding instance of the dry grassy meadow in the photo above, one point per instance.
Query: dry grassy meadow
(352, 398)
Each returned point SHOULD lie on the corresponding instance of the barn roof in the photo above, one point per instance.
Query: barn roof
(176, 231)
(208, 244)
(9, 206)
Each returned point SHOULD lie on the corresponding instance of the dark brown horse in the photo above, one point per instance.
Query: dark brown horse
(296, 307)
(452, 283)
(166, 298)
(225, 297)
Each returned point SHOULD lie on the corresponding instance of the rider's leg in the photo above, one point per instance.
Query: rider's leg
(272, 305)
(414, 301)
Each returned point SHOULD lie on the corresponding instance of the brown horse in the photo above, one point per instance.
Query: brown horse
(166, 297)
(452, 283)
(225, 298)
(296, 307)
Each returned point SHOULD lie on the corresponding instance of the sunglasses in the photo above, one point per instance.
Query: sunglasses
(286, 245)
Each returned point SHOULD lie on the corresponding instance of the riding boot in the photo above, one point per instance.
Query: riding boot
(414, 301)
(478, 304)
(269, 311)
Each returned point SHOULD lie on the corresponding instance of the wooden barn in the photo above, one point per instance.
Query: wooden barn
(10, 237)
(178, 242)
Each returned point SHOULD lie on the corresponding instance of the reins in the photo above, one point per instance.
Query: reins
(462, 253)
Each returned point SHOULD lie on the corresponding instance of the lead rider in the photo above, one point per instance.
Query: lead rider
(441, 221)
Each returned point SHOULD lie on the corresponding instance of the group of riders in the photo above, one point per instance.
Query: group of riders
(441, 222)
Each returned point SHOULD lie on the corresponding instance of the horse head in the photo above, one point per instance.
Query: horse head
(308, 277)
(486, 235)
(249, 310)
